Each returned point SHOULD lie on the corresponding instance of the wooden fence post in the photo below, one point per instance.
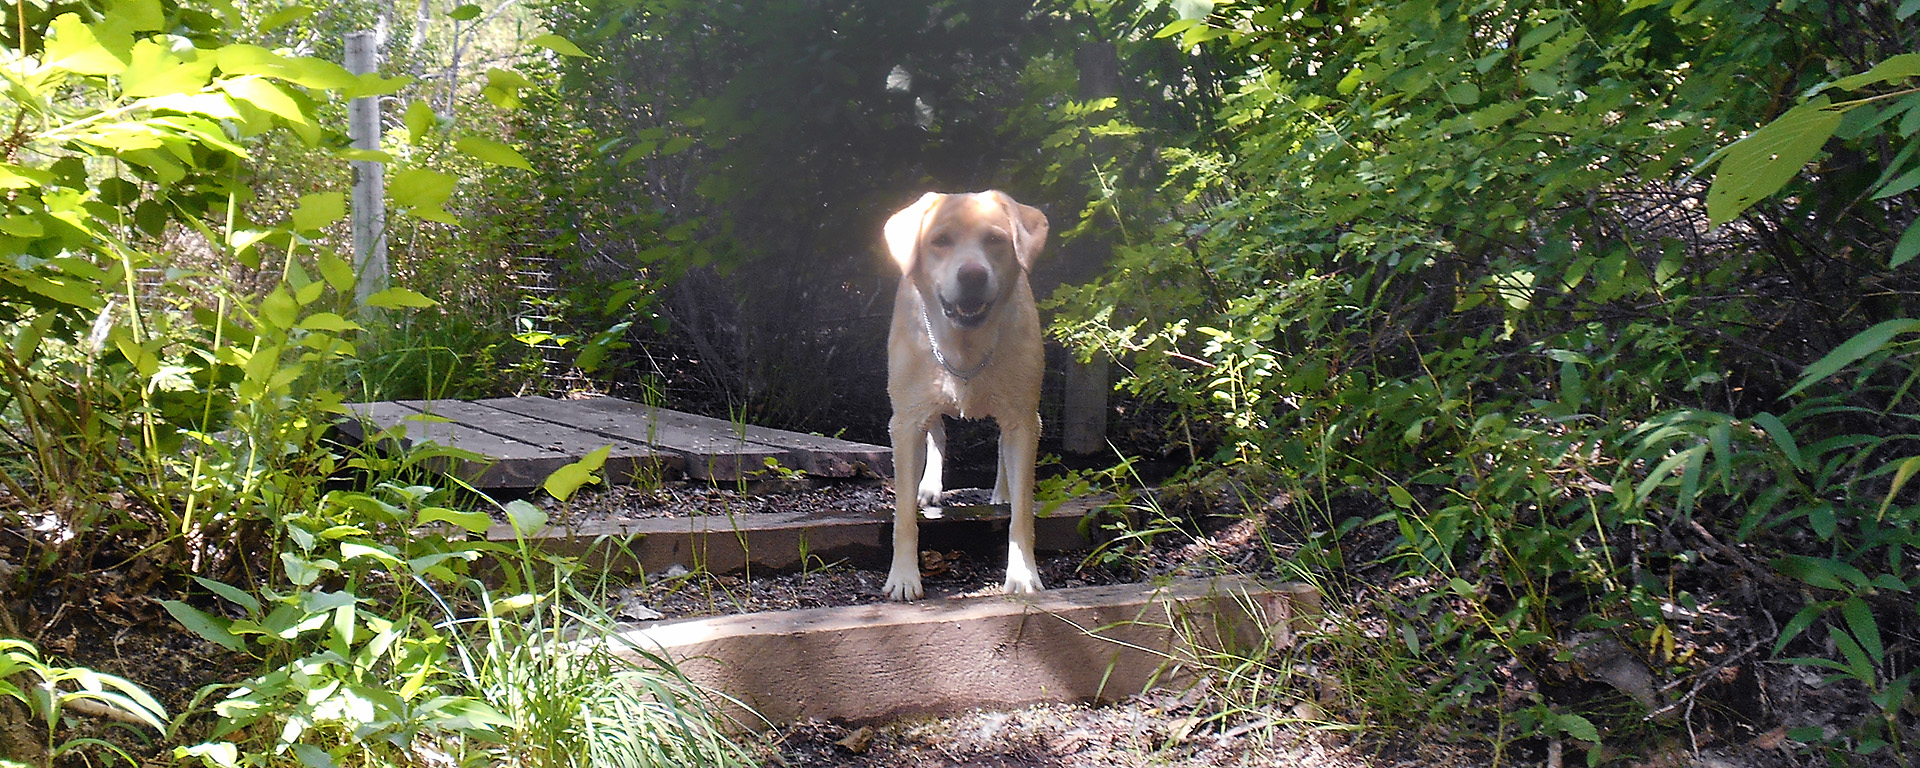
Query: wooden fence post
(369, 176)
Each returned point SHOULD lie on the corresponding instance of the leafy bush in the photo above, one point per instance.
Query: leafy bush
(1454, 258)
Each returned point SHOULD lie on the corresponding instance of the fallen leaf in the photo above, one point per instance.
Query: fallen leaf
(858, 741)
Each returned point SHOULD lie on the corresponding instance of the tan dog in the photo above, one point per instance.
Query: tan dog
(965, 342)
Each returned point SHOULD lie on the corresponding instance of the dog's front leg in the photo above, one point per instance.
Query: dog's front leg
(1000, 473)
(1019, 448)
(909, 443)
(931, 481)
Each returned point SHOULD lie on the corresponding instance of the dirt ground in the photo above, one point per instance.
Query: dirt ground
(1731, 711)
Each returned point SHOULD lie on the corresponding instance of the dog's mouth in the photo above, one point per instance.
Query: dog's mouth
(965, 314)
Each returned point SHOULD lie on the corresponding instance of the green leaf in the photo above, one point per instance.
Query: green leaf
(424, 191)
(1860, 622)
(328, 321)
(526, 518)
(467, 12)
(1900, 477)
(1798, 624)
(337, 272)
(75, 46)
(1893, 68)
(473, 522)
(488, 150)
(280, 308)
(156, 70)
(318, 210)
(213, 628)
(1821, 572)
(1760, 164)
(300, 571)
(1400, 497)
(1908, 247)
(232, 593)
(264, 94)
(1577, 727)
(284, 16)
(1782, 438)
(565, 480)
(398, 298)
(419, 119)
(1861, 345)
(558, 44)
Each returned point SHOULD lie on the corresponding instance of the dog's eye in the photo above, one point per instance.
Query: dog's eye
(995, 240)
(942, 240)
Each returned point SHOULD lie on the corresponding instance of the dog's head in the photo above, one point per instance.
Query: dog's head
(967, 251)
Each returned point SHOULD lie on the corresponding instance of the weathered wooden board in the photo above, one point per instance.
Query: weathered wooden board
(708, 454)
(793, 541)
(625, 462)
(870, 663)
(508, 463)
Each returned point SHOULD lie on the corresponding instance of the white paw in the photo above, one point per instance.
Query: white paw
(904, 584)
(1022, 581)
(929, 497)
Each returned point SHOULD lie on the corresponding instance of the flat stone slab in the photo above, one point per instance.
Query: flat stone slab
(872, 663)
(792, 541)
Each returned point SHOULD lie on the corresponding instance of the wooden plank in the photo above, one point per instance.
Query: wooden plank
(783, 541)
(626, 462)
(709, 455)
(813, 454)
(509, 463)
(880, 662)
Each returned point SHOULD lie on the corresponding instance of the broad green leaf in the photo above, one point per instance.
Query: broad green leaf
(353, 551)
(1578, 727)
(265, 95)
(1897, 67)
(77, 47)
(232, 593)
(473, 522)
(1862, 344)
(337, 272)
(467, 12)
(399, 298)
(423, 191)
(328, 321)
(526, 518)
(1763, 162)
(156, 70)
(565, 480)
(557, 44)
(319, 209)
(300, 571)
(491, 151)
(279, 308)
(138, 15)
(419, 119)
(284, 16)
(213, 628)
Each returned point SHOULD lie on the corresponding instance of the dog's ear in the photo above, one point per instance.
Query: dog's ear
(903, 230)
(1029, 229)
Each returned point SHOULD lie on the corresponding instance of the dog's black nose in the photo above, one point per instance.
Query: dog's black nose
(972, 282)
